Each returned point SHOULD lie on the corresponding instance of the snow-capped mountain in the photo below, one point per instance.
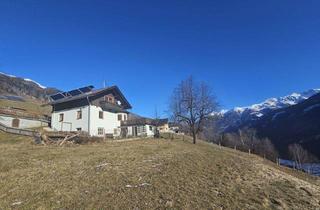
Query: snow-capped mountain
(244, 115)
(25, 79)
(41, 86)
(299, 123)
(11, 85)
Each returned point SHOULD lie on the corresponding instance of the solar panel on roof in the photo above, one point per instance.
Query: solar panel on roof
(56, 97)
(75, 92)
(66, 94)
(86, 89)
(71, 93)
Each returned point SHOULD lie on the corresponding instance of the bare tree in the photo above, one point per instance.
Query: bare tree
(231, 140)
(191, 104)
(156, 123)
(300, 155)
(247, 140)
(210, 130)
(266, 149)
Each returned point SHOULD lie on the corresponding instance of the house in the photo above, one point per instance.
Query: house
(174, 128)
(163, 125)
(95, 112)
(137, 126)
(21, 118)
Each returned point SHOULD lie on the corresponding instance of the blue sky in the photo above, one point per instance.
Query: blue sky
(246, 51)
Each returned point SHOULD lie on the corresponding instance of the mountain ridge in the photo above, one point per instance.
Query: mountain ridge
(236, 117)
(299, 123)
(12, 86)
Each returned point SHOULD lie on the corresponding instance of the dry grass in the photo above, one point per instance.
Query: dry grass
(29, 105)
(146, 174)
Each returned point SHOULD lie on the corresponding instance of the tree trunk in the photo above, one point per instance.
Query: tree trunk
(194, 137)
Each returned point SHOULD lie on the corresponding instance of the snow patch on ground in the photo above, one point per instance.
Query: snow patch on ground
(30, 80)
(7, 75)
(311, 107)
(259, 115)
(239, 109)
(312, 168)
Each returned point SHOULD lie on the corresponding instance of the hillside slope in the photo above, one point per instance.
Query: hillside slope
(25, 88)
(146, 174)
(30, 106)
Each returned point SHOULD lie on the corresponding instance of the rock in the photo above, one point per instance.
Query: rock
(169, 204)
(16, 203)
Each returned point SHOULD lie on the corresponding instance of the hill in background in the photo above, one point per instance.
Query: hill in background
(12, 86)
(295, 124)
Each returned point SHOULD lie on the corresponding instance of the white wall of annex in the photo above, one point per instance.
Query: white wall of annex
(148, 131)
(23, 123)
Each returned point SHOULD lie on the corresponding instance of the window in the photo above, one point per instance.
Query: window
(79, 115)
(143, 129)
(150, 127)
(100, 114)
(15, 123)
(79, 129)
(125, 117)
(109, 98)
(138, 129)
(61, 117)
(100, 131)
(119, 117)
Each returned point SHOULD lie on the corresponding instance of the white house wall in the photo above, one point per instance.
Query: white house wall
(70, 121)
(148, 132)
(130, 131)
(108, 123)
(23, 123)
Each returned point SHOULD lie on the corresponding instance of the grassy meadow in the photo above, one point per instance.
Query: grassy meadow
(146, 174)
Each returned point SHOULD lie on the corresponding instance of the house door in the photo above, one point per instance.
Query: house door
(135, 131)
(15, 123)
(124, 132)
